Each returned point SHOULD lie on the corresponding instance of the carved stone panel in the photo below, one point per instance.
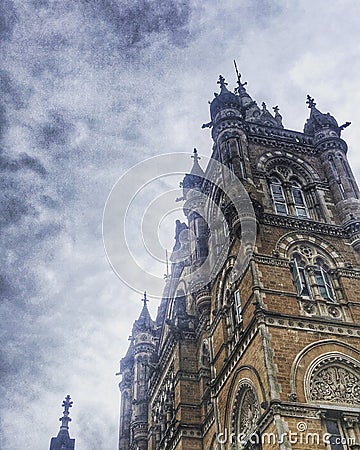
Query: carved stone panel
(334, 379)
(245, 411)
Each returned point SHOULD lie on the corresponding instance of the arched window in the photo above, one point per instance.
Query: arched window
(287, 193)
(323, 280)
(278, 196)
(237, 305)
(311, 274)
(300, 278)
(299, 200)
(205, 354)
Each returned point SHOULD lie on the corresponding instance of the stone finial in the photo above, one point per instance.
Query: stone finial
(195, 156)
(222, 82)
(65, 419)
(310, 102)
(278, 116)
(63, 440)
(145, 300)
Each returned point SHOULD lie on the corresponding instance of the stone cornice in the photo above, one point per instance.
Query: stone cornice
(348, 273)
(295, 223)
(270, 142)
(312, 324)
(271, 260)
(255, 129)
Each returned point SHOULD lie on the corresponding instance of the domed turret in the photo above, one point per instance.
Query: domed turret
(321, 126)
(224, 100)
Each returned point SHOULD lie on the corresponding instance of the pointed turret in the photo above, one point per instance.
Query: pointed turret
(194, 211)
(63, 440)
(193, 179)
(144, 322)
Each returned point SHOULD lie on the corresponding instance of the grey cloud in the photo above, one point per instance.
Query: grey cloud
(8, 19)
(135, 21)
(13, 209)
(57, 130)
(23, 162)
(12, 93)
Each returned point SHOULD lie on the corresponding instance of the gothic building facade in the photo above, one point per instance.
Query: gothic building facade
(265, 354)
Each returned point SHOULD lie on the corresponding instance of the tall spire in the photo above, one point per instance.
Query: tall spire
(63, 440)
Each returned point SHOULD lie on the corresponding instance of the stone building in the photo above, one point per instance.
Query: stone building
(264, 353)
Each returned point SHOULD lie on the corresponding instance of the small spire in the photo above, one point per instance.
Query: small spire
(276, 109)
(263, 105)
(241, 85)
(145, 300)
(65, 419)
(310, 102)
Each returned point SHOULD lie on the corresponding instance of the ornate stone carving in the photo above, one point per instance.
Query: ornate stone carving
(163, 408)
(334, 379)
(246, 409)
(333, 311)
(249, 412)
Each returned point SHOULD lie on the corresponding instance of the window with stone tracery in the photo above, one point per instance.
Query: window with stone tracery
(312, 276)
(287, 193)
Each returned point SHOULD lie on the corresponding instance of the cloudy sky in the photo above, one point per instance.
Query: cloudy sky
(90, 88)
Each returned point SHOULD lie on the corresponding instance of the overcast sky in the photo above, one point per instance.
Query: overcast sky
(89, 88)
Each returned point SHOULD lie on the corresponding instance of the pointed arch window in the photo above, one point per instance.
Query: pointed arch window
(300, 278)
(299, 200)
(311, 273)
(323, 280)
(278, 196)
(287, 192)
